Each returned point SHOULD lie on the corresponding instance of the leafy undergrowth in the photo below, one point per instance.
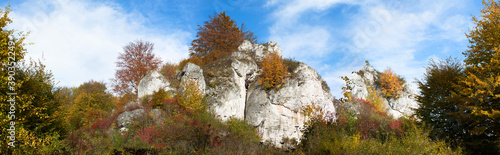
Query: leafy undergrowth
(182, 131)
(369, 131)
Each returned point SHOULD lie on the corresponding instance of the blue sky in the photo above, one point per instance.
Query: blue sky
(79, 40)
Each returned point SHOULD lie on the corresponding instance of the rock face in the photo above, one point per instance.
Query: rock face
(233, 91)
(152, 82)
(195, 73)
(278, 114)
(367, 77)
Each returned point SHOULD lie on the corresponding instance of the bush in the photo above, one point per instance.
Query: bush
(191, 96)
(273, 72)
(291, 65)
(392, 85)
(377, 100)
(369, 132)
(158, 97)
(168, 70)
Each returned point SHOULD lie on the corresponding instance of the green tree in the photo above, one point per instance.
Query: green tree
(36, 126)
(437, 105)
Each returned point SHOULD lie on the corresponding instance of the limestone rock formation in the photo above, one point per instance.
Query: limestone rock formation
(152, 82)
(277, 114)
(233, 91)
(193, 72)
(367, 77)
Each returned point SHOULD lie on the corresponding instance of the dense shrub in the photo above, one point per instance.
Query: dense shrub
(375, 97)
(273, 72)
(362, 129)
(169, 71)
(291, 65)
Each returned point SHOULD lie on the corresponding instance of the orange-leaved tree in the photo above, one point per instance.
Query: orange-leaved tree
(391, 85)
(273, 72)
(218, 37)
(134, 63)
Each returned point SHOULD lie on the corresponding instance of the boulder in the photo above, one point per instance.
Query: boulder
(195, 73)
(152, 82)
(126, 117)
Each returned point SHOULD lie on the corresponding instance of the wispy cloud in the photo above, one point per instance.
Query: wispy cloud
(80, 40)
(387, 33)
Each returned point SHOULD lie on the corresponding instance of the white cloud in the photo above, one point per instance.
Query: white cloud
(80, 40)
(388, 33)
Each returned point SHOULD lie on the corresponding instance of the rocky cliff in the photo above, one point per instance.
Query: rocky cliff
(232, 90)
(367, 77)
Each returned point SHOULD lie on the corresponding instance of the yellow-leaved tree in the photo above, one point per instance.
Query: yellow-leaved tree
(273, 72)
(480, 89)
(391, 85)
(191, 96)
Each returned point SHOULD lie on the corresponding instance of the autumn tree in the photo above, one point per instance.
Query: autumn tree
(437, 105)
(218, 37)
(481, 86)
(91, 103)
(30, 104)
(391, 85)
(134, 63)
(191, 96)
(273, 72)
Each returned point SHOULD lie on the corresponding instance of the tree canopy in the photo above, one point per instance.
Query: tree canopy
(134, 63)
(218, 37)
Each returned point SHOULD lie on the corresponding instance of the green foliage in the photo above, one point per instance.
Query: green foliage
(369, 132)
(92, 102)
(437, 104)
(291, 65)
(35, 109)
(159, 96)
(243, 131)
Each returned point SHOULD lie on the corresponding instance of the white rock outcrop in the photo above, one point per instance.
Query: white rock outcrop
(367, 77)
(233, 91)
(260, 51)
(152, 82)
(278, 114)
(227, 89)
(195, 73)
